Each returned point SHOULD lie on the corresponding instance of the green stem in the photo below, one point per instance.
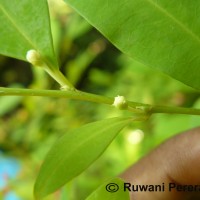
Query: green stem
(35, 58)
(60, 78)
(135, 107)
(174, 110)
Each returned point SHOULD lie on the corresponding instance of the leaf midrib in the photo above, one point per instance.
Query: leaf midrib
(19, 29)
(169, 15)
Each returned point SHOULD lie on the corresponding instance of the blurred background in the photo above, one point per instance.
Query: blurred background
(30, 125)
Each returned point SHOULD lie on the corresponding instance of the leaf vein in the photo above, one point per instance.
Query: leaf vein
(19, 29)
(161, 9)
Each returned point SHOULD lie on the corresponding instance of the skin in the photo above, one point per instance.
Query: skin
(175, 161)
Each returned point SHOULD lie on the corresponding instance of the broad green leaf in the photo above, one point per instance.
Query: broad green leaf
(110, 190)
(162, 34)
(74, 152)
(24, 25)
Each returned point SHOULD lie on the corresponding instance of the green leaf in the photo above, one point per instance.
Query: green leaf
(74, 152)
(8, 103)
(110, 190)
(25, 25)
(162, 34)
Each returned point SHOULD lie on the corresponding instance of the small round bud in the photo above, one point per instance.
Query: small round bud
(34, 57)
(120, 102)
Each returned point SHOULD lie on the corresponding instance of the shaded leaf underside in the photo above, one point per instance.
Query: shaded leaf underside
(162, 34)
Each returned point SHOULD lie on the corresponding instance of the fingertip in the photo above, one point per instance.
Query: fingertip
(177, 160)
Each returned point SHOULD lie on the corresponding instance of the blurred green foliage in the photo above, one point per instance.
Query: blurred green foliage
(30, 125)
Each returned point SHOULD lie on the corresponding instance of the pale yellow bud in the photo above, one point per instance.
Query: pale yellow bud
(120, 102)
(34, 58)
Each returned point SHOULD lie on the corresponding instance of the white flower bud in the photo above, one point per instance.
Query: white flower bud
(34, 58)
(120, 102)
